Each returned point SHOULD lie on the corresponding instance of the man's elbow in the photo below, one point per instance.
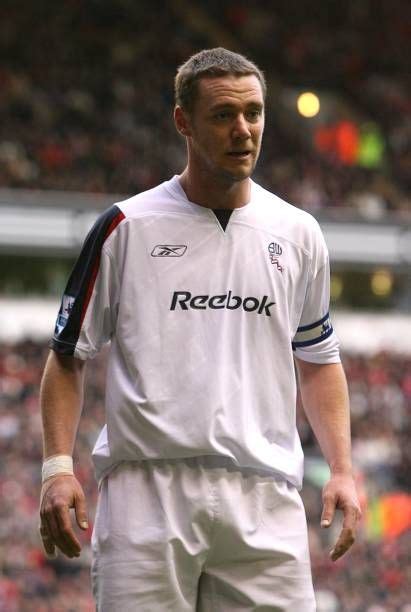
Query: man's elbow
(66, 363)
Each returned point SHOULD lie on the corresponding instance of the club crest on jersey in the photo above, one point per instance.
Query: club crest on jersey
(274, 251)
(65, 311)
(168, 250)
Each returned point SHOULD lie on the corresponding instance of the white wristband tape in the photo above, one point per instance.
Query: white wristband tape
(59, 464)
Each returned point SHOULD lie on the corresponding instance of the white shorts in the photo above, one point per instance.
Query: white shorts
(199, 535)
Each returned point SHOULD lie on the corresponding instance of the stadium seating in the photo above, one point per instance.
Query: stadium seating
(374, 572)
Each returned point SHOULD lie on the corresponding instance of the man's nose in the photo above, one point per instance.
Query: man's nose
(241, 128)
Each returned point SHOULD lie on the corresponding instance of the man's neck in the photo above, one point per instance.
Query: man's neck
(212, 194)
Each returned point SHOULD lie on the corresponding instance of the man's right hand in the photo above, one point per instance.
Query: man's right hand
(58, 494)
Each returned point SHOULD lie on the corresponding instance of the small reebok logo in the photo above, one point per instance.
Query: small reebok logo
(168, 250)
(274, 251)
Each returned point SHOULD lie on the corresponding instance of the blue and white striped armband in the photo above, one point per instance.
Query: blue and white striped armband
(307, 335)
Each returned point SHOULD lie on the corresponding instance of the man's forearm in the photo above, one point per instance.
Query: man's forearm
(61, 398)
(325, 399)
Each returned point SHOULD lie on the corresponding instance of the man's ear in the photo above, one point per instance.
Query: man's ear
(182, 121)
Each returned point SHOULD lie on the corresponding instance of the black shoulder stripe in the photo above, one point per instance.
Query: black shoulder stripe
(81, 282)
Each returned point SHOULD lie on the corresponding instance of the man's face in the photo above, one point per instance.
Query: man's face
(226, 126)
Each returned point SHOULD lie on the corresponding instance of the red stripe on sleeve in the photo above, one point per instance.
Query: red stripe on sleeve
(117, 219)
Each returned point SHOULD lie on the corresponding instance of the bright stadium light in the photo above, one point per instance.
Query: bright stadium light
(336, 287)
(381, 283)
(308, 104)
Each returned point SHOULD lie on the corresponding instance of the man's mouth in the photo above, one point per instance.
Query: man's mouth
(239, 154)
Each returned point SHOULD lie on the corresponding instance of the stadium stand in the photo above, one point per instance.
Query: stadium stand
(375, 573)
(86, 116)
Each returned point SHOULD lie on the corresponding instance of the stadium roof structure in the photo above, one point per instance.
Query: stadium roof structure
(56, 223)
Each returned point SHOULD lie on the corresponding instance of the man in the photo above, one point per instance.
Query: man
(207, 286)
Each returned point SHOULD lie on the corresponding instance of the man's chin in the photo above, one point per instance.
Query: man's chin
(239, 174)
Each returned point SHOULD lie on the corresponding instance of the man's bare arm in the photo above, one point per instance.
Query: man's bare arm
(61, 399)
(325, 399)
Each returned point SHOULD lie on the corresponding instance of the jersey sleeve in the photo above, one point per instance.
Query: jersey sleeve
(88, 307)
(315, 339)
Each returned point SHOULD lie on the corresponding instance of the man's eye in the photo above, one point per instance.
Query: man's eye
(254, 115)
(222, 116)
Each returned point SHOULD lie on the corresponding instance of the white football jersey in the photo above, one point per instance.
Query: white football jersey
(203, 322)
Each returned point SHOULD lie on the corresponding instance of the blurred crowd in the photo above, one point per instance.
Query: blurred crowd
(374, 577)
(86, 94)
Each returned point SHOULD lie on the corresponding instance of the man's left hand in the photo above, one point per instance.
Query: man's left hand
(340, 493)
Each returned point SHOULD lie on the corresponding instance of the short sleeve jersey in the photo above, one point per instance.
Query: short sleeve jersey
(204, 323)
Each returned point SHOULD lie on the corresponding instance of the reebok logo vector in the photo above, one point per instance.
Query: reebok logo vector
(185, 300)
(169, 250)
